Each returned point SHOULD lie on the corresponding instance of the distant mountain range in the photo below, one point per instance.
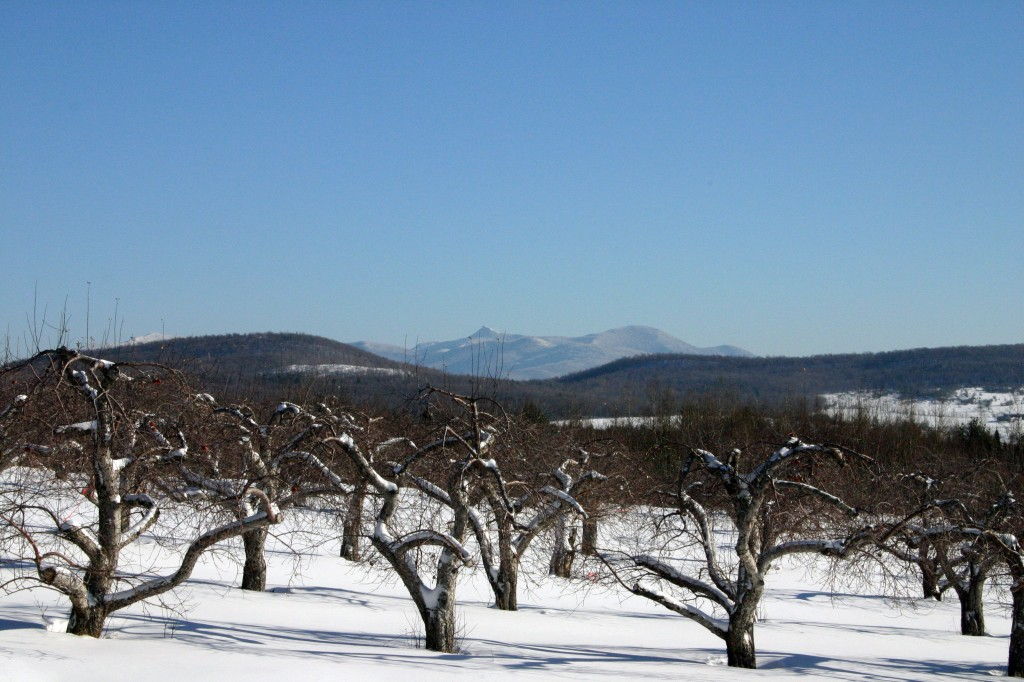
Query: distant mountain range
(271, 366)
(487, 352)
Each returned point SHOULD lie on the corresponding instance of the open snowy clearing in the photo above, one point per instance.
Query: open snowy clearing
(999, 411)
(334, 619)
(328, 369)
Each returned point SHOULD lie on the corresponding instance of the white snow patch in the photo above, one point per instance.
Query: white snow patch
(999, 411)
(55, 623)
(329, 369)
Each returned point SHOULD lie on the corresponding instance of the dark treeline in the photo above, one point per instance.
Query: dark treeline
(247, 365)
(723, 421)
(917, 372)
(246, 355)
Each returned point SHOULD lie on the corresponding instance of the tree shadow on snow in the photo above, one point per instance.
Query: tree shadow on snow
(480, 654)
(9, 624)
(252, 639)
(894, 669)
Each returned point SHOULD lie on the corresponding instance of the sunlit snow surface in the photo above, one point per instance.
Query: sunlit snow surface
(325, 618)
(999, 411)
(337, 369)
(1002, 412)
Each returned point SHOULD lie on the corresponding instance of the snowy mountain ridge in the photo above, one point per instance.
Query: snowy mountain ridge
(517, 356)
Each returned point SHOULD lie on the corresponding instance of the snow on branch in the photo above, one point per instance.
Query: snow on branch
(218, 486)
(717, 626)
(78, 427)
(432, 490)
(694, 585)
(81, 537)
(159, 585)
(317, 464)
(12, 409)
(793, 449)
(565, 497)
(392, 442)
(429, 537)
(818, 492)
(81, 380)
(348, 445)
(67, 582)
(150, 514)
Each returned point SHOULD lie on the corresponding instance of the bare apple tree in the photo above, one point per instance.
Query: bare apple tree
(457, 457)
(913, 544)
(505, 525)
(1012, 551)
(241, 460)
(95, 416)
(768, 515)
(986, 535)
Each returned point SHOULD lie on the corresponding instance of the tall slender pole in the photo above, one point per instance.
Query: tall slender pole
(88, 296)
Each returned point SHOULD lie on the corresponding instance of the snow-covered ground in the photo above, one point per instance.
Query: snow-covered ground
(337, 369)
(999, 411)
(331, 619)
(609, 422)
(1002, 412)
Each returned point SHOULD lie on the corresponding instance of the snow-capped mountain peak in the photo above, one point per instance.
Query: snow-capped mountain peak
(518, 356)
(484, 332)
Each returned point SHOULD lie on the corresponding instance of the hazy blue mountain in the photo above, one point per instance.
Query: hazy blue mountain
(491, 353)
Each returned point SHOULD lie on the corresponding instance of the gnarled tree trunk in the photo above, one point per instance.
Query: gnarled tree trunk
(505, 587)
(439, 625)
(588, 543)
(353, 525)
(87, 621)
(564, 554)
(930, 584)
(739, 646)
(739, 640)
(254, 572)
(1015, 666)
(972, 609)
(930, 573)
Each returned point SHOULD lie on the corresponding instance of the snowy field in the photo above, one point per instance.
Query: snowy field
(329, 369)
(325, 618)
(1002, 412)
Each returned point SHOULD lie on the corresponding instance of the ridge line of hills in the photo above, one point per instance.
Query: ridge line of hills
(541, 357)
(274, 364)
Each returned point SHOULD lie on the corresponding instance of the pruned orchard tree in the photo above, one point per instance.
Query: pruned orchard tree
(935, 542)
(458, 457)
(505, 525)
(777, 509)
(95, 436)
(12, 445)
(373, 443)
(967, 556)
(284, 458)
(1011, 549)
(571, 477)
(914, 544)
(994, 534)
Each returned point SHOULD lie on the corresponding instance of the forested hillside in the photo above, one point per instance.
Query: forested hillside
(911, 372)
(258, 364)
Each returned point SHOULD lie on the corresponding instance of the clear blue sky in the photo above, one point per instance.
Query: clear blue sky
(792, 178)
